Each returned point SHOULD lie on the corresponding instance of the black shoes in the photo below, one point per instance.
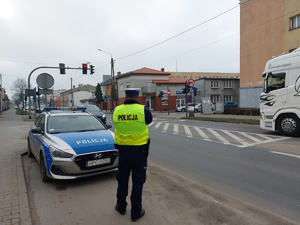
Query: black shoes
(141, 214)
(121, 211)
(133, 218)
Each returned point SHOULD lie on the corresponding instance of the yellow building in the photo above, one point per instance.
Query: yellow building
(268, 28)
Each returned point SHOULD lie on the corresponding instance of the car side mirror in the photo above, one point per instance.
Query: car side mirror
(36, 130)
(109, 126)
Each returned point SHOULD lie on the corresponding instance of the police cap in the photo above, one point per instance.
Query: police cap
(132, 91)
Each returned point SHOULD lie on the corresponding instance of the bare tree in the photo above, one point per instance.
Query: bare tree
(19, 87)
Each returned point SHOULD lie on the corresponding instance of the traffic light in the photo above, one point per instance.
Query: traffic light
(161, 94)
(84, 68)
(62, 69)
(195, 91)
(92, 69)
(185, 90)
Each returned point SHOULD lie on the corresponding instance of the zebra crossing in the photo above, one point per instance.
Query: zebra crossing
(227, 137)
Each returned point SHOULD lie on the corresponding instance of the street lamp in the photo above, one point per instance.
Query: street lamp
(112, 92)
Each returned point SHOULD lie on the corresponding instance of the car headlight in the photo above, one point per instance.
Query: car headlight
(103, 116)
(59, 153)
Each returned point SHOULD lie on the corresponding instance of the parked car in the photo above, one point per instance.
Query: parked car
(198, 107)
(71, 144)
(183, 107)
(230, 104)
(96, 112)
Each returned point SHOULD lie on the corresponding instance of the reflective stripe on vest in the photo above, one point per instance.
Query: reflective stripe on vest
(131, 128)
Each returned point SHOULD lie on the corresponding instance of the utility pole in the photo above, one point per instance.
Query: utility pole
(112, 92)
(72, 97)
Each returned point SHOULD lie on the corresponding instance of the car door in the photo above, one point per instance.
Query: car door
(37, 138)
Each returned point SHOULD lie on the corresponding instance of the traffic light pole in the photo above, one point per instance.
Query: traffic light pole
(45, 67)
(186, 104)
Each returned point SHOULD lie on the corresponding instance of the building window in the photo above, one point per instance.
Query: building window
(185, 77)
(228, 98)
(215, 98)
(128, 85)
(228, 84)
(295, 22)
(214, 84)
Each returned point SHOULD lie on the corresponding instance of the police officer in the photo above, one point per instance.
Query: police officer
(132, 141)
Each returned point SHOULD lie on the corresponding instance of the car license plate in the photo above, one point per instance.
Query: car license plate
(98, 162)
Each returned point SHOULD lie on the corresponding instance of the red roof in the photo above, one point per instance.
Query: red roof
(172, 80)
(144, 71)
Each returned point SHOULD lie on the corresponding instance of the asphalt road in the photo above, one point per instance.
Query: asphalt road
(253, 173)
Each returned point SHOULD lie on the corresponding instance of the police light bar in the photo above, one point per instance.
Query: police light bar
(64, 108)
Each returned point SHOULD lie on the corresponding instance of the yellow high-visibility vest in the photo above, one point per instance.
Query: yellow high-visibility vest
(131, 128)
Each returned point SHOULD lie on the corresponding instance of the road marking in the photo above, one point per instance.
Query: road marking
(223, 140)
(188, 131)
(165, 127)
(217, 133)
(244, 143)
(286, 154)
(202, 134)
(251, 137)
(157, 125)
(175, 130)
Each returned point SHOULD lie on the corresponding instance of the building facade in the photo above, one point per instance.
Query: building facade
(267, 28)
(218, 89)
(199, 75)
(82, 92)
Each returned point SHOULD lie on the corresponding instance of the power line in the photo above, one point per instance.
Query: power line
(168, 39)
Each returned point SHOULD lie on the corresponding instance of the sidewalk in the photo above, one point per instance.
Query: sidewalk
(14, 208)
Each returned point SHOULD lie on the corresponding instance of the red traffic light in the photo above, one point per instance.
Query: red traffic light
(84, 68)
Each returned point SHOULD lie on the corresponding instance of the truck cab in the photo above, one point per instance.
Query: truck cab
(280, 99)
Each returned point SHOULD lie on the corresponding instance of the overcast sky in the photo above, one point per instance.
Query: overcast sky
(178, 35)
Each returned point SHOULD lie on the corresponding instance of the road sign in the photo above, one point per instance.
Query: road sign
(168, 92)
(30, 92)
(45, 80)
(191, 82)
(46, 91)
(95, 99)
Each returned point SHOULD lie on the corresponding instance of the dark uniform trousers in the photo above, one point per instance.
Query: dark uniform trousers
(131, 159)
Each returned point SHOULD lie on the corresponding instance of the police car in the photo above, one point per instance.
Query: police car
(70, 144)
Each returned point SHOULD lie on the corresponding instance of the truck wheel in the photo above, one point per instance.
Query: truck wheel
(288, 125)
(29, 153)
(43, 169)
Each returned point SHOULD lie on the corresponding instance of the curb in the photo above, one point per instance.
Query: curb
(25, 218)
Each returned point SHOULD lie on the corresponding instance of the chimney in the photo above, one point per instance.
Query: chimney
(162, 69)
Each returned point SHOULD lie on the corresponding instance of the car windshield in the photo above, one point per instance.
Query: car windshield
(73, 123)
(92, 108)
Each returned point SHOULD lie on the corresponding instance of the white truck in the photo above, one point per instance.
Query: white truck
(280, 100)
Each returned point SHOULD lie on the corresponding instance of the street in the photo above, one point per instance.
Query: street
(237, 171)
(190, 179)
(240, 160)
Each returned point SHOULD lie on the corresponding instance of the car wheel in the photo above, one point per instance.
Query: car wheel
(196, 110)
(288, 125)
(182, 110)
(29, 153)
(43, 169)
